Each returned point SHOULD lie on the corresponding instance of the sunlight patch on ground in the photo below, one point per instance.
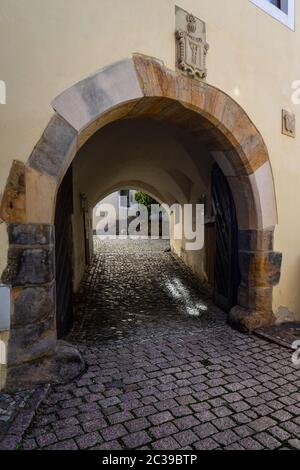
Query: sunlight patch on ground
(179, 292)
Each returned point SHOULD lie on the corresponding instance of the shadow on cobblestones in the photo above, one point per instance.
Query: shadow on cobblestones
(134, 290)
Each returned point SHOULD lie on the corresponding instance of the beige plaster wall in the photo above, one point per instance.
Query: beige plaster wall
(48, 45)
(4, 337)
(3, 246)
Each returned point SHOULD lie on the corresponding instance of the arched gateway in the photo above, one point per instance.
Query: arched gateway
(133, 88)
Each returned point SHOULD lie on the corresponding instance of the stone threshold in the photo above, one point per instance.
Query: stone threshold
(284, 334)
(17, 410)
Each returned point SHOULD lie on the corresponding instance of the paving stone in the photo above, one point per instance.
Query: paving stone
(166, 404)
(279, 433)
(222, 412)
(185, 438)
(46, 439)
(113, 432)
(232, 398)
(111, 445)
(215, 403)
(187, 422)
(185, 400)
(251, 444)
(88, 417)
(137, 424)
(161, 418)
(137, 439)
(235, 387)
(95, 425)
(264, 410)
(69, 444)
(109, 402)
(168, 443)
(205, 430)
(164, 430)
(267, 441)
(241, 418)
(29, 444)
(68, 432)
(64, 423)
(243, 431)
(206, 444)
(235, 446)
(199, 407)
(291, 427)
(295, 443)
(262, 424)
(145, 411)
(181, 411)
(120, 417)
(205, 416)
(9, 442)
(89, 440)
(223, 423)
(282, 415)
(226, 437)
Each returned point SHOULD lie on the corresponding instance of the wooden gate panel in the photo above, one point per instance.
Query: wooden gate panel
(226, 268)
(63, 255)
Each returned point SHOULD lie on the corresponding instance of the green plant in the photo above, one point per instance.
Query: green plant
(145, 199)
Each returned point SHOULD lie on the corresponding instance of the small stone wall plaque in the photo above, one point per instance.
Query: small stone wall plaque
(191, 45)
(288, 123)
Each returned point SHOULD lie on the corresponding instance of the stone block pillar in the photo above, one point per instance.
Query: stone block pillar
(30, 273)
(34, 355)
(260, 272)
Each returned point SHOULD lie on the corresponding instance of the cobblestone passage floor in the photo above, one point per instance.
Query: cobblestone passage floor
(164, 370)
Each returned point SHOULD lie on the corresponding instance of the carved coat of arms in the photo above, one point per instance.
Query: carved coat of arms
(191, 45)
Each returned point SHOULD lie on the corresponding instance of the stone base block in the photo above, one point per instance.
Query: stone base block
(257, 299)
(260, 269)
(69, 363)
(32, 342)
(32, 305)
(63, 366)
(29, 374)
(246, 321)
(29, 266)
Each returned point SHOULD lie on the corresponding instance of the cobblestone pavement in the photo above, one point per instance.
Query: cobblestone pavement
(16, 413)
(165, 372)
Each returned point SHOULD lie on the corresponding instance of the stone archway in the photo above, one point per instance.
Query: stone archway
(137, 87)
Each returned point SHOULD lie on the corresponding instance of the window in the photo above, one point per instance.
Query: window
(124, 198)
(281, 4)
(281, 10)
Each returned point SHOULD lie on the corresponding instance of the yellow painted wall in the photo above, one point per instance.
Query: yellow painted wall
(4, 338)
(48, 45)
(3, 246)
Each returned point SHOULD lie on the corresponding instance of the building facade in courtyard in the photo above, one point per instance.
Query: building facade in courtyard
(193, 102)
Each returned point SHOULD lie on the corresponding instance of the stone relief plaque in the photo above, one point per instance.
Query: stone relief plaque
(191, 45)
(288, 123)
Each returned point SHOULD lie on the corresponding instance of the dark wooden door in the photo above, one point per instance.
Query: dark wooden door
(226, 269)
(63, 255)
